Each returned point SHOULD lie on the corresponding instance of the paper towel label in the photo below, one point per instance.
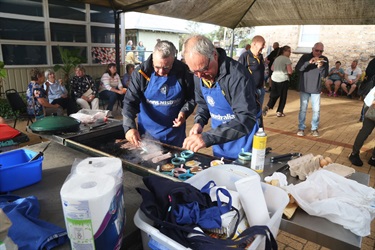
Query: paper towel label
(79, 225)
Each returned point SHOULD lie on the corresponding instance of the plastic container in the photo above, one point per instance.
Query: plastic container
(224, 175)
(17, 172)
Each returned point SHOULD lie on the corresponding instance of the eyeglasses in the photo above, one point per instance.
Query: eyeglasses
(318, 50)
(203, 70)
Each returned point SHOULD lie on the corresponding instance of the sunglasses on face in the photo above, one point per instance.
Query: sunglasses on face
(318, 50)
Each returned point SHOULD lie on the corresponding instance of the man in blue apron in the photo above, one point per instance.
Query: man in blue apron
(161, 92)
(226, 93)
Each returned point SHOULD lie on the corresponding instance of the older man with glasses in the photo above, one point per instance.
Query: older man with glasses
(225, 92)
(351, 78)
(312, 68)
(161, 92)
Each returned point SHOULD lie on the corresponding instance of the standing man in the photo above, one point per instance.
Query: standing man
(225, 92)
(161, 91)
(253, 60)
(312, 68)
(271, 58)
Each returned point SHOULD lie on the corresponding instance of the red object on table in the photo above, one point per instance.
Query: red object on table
(7, 132)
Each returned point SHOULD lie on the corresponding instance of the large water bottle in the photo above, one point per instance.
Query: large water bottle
(259, 151)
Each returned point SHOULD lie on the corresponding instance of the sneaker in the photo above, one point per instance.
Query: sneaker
(355, 160)
(301, 133)
(371, 161)
(334, 94)
(349, 96)
(330, 94)
(265, 110)
(109, 114)
(315, 133)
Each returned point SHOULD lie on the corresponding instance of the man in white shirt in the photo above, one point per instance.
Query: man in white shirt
(351, 78)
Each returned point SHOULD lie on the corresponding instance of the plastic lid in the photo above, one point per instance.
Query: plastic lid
(55, 123)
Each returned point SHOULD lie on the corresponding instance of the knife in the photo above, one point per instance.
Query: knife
(284, 157)
(40, 154)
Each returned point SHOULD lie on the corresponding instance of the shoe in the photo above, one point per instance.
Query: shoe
(279, 114)
(355, 160)
(315, 133)
(349, 96)
(334, 94)
(330, 94)
(265, 110)
(371, 161)
(301, 133)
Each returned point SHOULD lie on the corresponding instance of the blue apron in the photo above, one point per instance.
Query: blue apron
(221, 113)
(164, 100)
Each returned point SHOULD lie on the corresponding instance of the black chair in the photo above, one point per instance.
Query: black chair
(18, 106)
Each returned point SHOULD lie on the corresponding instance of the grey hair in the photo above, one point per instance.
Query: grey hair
(355, 60)
(166, 48)
(202, 45)
(48, 72)
(318, 43)
(80, 67)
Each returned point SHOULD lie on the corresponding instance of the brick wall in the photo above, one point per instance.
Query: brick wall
(341, 42)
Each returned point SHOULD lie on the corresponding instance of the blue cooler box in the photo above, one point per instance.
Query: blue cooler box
(17, 172)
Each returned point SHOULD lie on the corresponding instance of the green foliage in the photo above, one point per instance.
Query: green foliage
(3, 72)
(5, 109)
(70, 59)
(243, 43)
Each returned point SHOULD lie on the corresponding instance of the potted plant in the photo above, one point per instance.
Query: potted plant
(70, 59)
(3, 75)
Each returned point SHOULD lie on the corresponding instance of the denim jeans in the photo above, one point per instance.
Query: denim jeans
(315, 104)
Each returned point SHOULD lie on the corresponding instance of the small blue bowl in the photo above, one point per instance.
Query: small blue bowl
(186, 154)
(177, 161)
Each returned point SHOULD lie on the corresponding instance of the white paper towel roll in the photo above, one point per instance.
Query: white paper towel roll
(253, 201)
(86, 200)
(100, 165)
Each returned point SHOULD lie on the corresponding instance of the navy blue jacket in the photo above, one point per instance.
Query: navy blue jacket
(134, 95)
(239, 90)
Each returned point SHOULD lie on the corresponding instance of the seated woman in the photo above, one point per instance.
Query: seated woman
(111, 87)
(127, 76)
(36, 97)
(334, 77)
(84, 89)
(57, 93)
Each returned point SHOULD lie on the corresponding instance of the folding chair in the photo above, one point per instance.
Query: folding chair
(19, 107)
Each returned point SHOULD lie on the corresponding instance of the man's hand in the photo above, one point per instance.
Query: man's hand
(194, 142)
(196, 129)
(179, 120)
(132, 136)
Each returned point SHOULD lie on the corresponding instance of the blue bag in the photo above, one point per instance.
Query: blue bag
(27, 231)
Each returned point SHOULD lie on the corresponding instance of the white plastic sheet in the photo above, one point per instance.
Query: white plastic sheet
(340, 200)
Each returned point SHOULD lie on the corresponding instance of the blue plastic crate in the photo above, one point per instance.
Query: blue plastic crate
(17, 172)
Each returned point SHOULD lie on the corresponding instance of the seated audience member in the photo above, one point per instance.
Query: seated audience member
(111, 87)
(335, 76)
(84, 89)
(57, 93)
(127, 76)
(352, 75)
(36, 97)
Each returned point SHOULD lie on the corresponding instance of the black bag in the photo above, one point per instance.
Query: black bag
(366, 86)
(159, 203)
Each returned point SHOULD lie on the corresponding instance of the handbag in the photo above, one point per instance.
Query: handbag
(370, 113)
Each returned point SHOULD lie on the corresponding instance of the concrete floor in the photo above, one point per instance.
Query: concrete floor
(338, 128)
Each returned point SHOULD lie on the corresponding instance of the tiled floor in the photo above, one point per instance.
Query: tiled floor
(338, 128)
